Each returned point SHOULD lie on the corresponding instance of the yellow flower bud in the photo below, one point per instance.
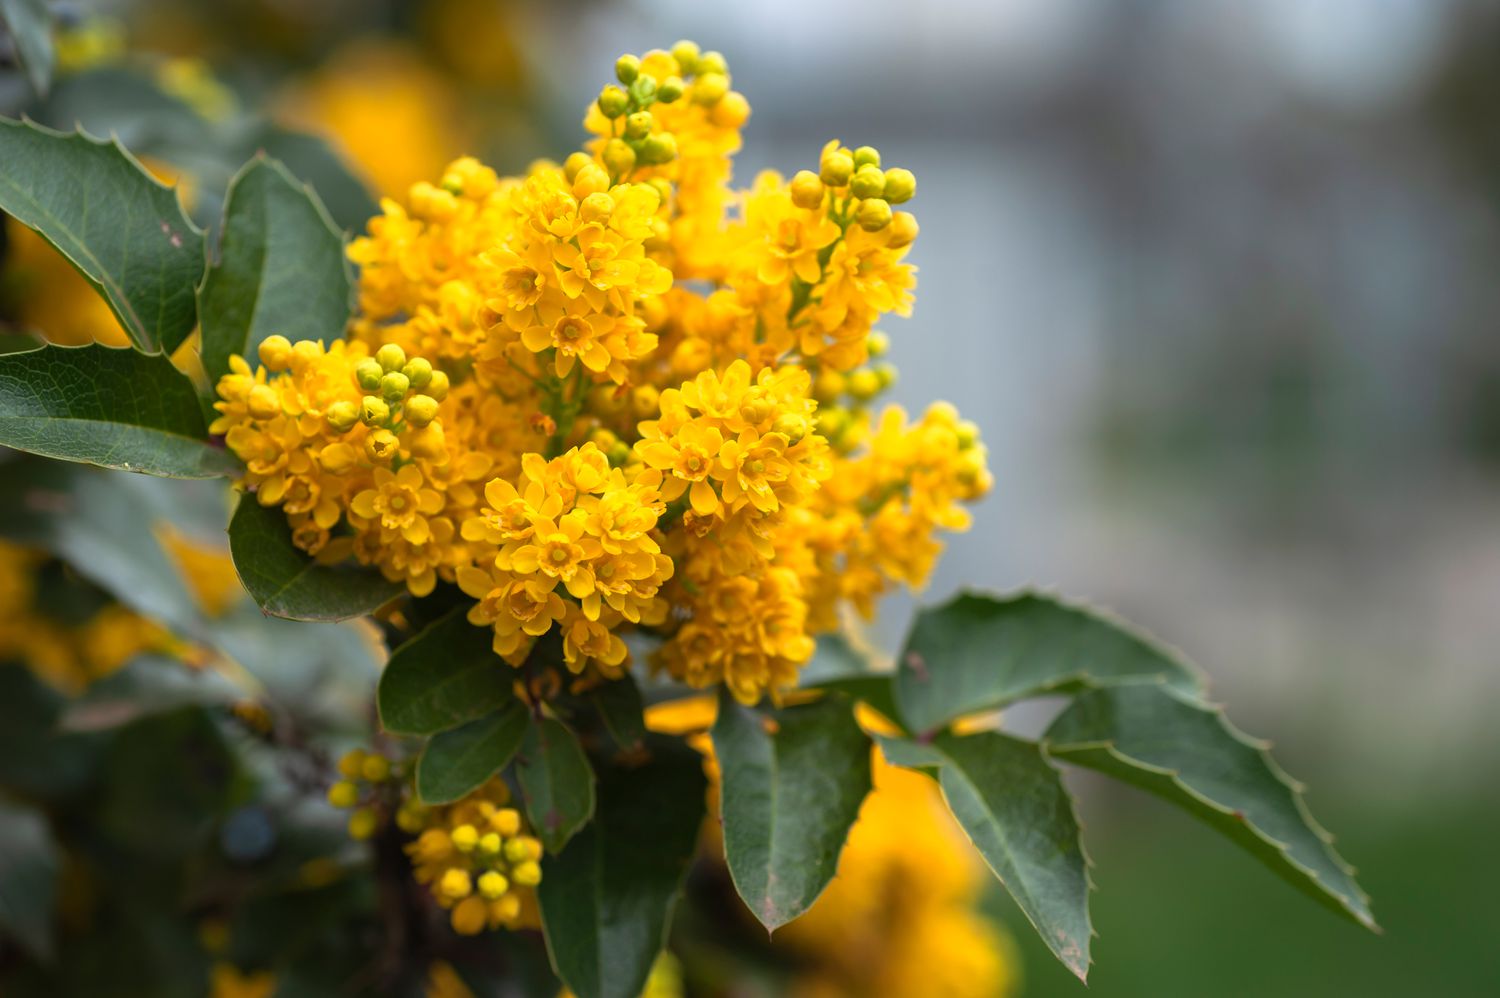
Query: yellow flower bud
(381, 445)
(391, 357)
(864, 384)
(710, 88)
(866, 156)
(575, 162)
(374, 411)
(264, 403)
(686, 53)
(438, 386)
(712, 62)
(619, 158)
(410, 818)
(627, 68)
(867, 182)
(968, 434)
(420, 410)
(612, 101)
(509, 908)
(597, 207)
(343, 794)
(393, 386)
(527, 874)
(470, 916)
(639, 125)
(903, 230)
(731, 112)
(275, 352)
(455, 884)
(490, 844)
(465, 838)
(506, 821)
(351, 763)
(832, 421)
(337, 458)
(874, 214)
(376, 768)
(418, 371)
(590, 180)
(885, 374)
(643, 89)
(791, 425)
(493, 885)
(516, 851)
(877, 343)
(828, 385)
(836, 168)
(362, 824)
(341, 416)
(659, 148)
(807, 189)
(900, 185)
(368, 373)
(671, 89)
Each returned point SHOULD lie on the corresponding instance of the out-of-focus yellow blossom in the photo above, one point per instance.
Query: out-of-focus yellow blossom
(900, 920)
(228, 981)
(192, 81)
(649, 398)
(443, 982)
(51, 297)
(207, 569)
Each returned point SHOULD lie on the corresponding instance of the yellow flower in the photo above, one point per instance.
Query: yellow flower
(401, 502)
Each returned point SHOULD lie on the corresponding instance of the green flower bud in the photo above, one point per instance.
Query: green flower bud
(807, 189)
(867, 182)
(627, 68)
(393, 386)
(833, 421)
(368, 373)
(438, 386)
(686, 53)
(374, 411)
(643, 89)
(391, 357)
(900, 185)
(343, 794)
(612, 101)
(659, 148)
(342, 416)
(836, 168)
(968, 434)
(885, 374)
(639, 125)
(874, 214)
(619, 158)
(420, 410)
(418, 371)
(710, 88)
(712, 62)
(670, 90)
(877, 343)
(866, 156)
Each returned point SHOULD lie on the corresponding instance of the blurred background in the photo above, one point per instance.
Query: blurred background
(1220, 283)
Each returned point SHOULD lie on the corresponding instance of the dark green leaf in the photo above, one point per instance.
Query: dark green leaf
(1011, 803)
(838, 668)
(1187, 753)
(977, 653)
(116, 408)
(124, 231)
(29, 866)
(281, 269)
(607, 899)
(556, 780)
(446, 675)
(285, 582)
(793, 781)
(621, 709)
(455, 763)
(30, 27)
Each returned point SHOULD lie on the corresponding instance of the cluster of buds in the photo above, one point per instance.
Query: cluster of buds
(857, 190)
(845, 397)
(363, 777)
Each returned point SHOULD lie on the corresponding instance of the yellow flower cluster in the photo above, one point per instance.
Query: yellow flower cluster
(658, 416)
(476, 859)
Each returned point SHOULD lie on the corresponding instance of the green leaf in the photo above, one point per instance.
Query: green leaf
(446, 675)
(793, 781)
(836, 667)
(30, 27)
(622, 710)
(455, 763)
(977, 653)
(607, 899)
(1011, 803)
(285, 582)
(281, 269)
(124, 231)
(116, 408)
(1189, 754)
(29, 867)
(314, 162)
(557, 782)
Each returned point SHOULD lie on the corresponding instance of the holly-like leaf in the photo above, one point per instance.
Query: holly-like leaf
(622, 710)
(29, 866)
(1011, 803)
(455, 763)
(792, 784)
(1186, 752)
(281, 269)
(285, 582)
(976, 653)
(30, 26)
(446, 675)
(607, 899)
(117, 408)
(557, 782)
(314, 162)
(124, 231)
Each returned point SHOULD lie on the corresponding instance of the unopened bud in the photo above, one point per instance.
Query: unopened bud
(712, 62)
(864, 384)
(418, 371)
(374, 411)
(619, 158)
(527, 874)
(686, 53)
(391, 357)
(376, 768)
(597, 207)
(659, 148)
(438, 386)
(465, 838)
(343, 794)
(874, 214)
(903, 229)
(639, 125)
(643, 89)
(590, 180)
(807, 189)
(627, 68)
(967, 433)
(791, 425)
(612, 101)
(455, 884)
(362, 824)
(575, 162)
(275, 352)
(836, 168)
(381, 445)
(885, 374)
(420, 410)
(710, 88)
(493, 885)
(368, 373)
(866, 156)
(900, 185)
(877, 343)
(671, 90)
(264, 403)
(731, 112)
(867, 182)
(393, 386)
